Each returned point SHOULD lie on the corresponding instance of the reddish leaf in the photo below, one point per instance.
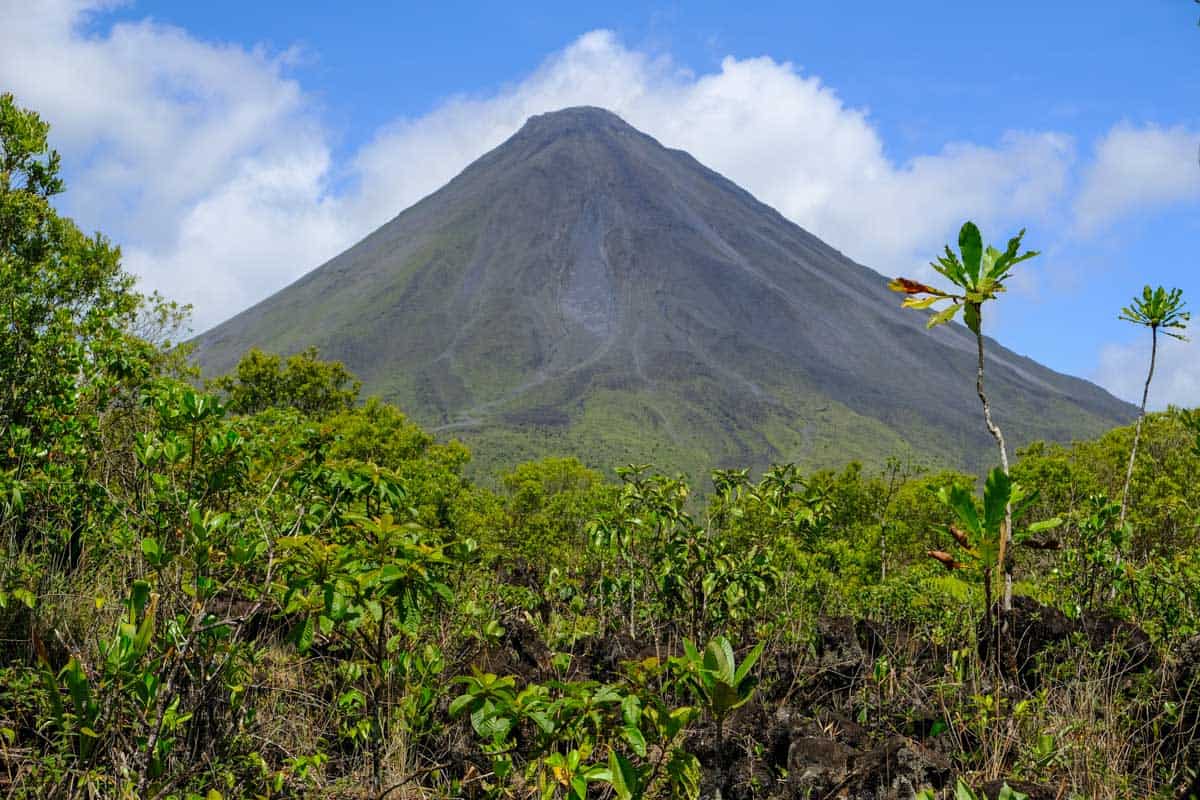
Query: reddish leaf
(911, 287)
(959, 536)
(945, 559)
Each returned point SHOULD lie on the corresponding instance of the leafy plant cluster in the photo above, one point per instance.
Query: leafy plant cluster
(264, 588)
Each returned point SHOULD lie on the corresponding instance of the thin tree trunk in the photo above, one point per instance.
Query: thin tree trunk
(994, 429)
(883, 552)
(1137, 431)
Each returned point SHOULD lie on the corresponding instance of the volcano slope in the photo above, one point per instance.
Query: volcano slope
(582, 289)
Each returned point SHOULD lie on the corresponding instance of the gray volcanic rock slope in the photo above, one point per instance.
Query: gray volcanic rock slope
(583, 289)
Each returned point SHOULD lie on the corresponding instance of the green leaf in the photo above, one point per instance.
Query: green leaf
(996, 494)
(625, 780)
(1045, 525)
(635, 738)
(943, 316)
(963, 792)
(151, 550)
(459, 703)
(1007, 793)
(718, 659)
(304, 634)
(543, 721)
(973, 318)
(963, 504)
(748, 663)
(970, 244)
(631, 710)
(684, 772)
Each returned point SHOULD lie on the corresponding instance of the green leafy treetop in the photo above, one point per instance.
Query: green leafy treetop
(69, 348)
(304, 382)
(65, 304)
(979, 272)
(1159, 310)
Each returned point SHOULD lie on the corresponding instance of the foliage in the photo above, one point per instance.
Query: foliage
(625, 735)
(1159, 309)
(304, 382)
(979, 273)
(717, 679)
(550, 503)
(67, 353)
(657, 550)
(982, 538)
(270, 591)
(962, 791)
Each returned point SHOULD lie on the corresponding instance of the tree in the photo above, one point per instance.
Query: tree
(67, 312)
(1157, 309)
(980, 274)
(314, 387)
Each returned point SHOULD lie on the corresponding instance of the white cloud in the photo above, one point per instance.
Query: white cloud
(784, 136)
(1176, 376)
(1135, 169)
(204, 160)
(210, 164)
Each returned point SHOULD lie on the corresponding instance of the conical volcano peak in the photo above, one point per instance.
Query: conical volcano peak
(582, 288)
(576, 119)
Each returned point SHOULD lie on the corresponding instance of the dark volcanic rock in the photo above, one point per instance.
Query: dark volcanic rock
(1032, 636)
(897, 770)
(818, 766)
(582, 281)
(840, 655)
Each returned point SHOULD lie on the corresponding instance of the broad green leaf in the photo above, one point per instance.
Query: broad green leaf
(633, 736)
(996, 495)
(718, 659)
(963, 504)
(1045, 525)
(970, 243)
(624, 778)
(304, 633)
(943, 316)
(973, 318)
(748, 663)
(1007, 793)
(963, 792)
(459, 703)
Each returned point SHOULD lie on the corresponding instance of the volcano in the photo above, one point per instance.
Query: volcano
(582, 289)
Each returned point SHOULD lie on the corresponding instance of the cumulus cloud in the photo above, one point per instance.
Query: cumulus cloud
(204, 160)
(785, 136)
(1136, 169)
(211, 165)
(1176, 376)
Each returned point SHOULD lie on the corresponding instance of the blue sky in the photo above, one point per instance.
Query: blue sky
(230, 147)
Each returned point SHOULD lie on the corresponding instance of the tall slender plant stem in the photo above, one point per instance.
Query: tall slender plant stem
(998, 435)
(1137, 430)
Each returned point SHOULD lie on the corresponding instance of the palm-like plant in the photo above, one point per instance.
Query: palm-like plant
(1158, 310)
(979, 274)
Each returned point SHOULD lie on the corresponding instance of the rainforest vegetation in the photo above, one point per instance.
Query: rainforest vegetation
(266, 586)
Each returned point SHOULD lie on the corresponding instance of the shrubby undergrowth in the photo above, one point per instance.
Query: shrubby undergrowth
(263, 588)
